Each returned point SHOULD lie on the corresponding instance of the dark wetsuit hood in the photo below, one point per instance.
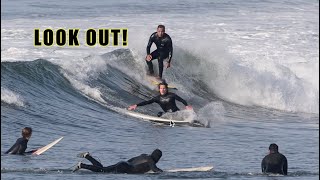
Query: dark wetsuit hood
(273, 148)
(156, 155)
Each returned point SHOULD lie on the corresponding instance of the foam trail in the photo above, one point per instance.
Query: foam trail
(10, 97)
(185, 115)
(212, 112)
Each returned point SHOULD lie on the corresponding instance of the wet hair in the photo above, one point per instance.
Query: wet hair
(273, 147)
(156, 155)
(26, 132)
(162, 27)
(163, 82)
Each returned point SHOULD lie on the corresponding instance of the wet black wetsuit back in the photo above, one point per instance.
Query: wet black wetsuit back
(19, 147)
(167, 102)
(143, 164)
(275, 163)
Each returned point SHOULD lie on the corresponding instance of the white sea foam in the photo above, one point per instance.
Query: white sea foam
(11, 97)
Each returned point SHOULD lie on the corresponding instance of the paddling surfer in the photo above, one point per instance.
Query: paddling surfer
(21, 143)
(136, 165)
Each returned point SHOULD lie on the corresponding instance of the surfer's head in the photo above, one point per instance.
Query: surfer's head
(163, 88)
(26, 132)
(273, 148)
(156, 155)
(161, 30)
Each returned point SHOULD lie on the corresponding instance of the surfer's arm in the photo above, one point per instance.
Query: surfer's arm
(154, 168)
(133, 107)
(285, 166)
(30, 152)
(13, 149)
(143, 103)
(16, 147)
(170, 48)
(181, 100)
(150, 43)
(263, 165)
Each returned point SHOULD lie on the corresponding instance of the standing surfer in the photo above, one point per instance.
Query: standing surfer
(164, 50)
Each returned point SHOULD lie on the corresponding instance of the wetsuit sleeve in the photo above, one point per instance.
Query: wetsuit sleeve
(285, 166)
(263, 165)
(30, 152)
(150, 43)
(14, 149)
(181, 100)
(170, 49)
(147, 102)
(154, 168)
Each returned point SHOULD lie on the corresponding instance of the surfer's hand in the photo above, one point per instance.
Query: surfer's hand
(189, 107)
(148, 57)
(132, 107)
(168, 64)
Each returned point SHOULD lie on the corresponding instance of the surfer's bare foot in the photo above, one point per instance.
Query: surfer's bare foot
(78, 166)
(83, 155)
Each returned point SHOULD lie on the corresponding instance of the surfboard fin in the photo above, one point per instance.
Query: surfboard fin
(172, 124)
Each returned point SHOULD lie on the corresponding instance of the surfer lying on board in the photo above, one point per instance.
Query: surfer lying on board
(21, 144)
(166, 100)
(164, 50)
(137, 165)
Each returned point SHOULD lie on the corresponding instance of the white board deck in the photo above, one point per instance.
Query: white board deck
(193, 169)
(154, 118)
(45, 148)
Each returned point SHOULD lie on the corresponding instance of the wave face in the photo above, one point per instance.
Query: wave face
(85, 99)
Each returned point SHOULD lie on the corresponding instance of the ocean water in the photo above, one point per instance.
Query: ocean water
(250, 69)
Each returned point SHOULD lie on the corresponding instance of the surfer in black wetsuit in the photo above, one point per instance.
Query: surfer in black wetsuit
(274, 162)
(21, 144)
(164, 50)
(166, 100)
(137, 165)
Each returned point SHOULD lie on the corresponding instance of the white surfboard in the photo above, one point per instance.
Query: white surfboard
(193, 169)
(155, 119)
(45, 148)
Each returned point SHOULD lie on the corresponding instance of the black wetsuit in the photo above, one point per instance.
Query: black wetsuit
(275, 162)
(164, 50)
(19, 147)
(167, 102)
(137, 165)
